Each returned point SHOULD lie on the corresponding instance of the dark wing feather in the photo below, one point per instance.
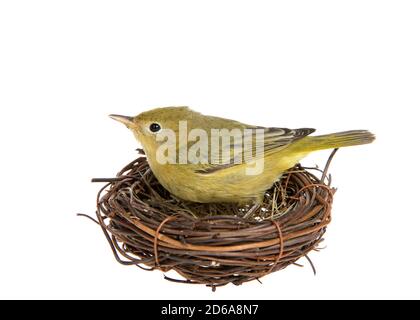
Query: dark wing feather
(275, 139)
(278, 138)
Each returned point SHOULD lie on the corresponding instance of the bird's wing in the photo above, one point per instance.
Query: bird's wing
(279, 138)
(254, 143)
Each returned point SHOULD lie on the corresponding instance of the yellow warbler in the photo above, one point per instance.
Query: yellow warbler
(210, 159)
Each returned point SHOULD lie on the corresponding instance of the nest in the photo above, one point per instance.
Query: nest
(213, 244)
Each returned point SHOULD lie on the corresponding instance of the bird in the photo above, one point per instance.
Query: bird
(201, 169)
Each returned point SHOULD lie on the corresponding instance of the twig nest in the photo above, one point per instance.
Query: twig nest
(213, 244)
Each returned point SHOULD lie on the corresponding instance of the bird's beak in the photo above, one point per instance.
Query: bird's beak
(128, 121)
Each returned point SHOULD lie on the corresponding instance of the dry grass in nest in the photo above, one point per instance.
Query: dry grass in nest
(213, 244)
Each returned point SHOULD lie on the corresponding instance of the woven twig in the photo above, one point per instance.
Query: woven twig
(213, 244)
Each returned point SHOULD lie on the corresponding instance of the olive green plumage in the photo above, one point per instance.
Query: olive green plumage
(231, 181)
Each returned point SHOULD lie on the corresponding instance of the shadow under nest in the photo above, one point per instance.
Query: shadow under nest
(213, 244)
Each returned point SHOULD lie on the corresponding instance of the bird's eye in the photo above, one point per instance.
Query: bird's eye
(154, 127)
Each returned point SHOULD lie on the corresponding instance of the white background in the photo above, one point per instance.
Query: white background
(332, 65)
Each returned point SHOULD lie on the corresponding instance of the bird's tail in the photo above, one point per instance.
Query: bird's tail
(337, 140)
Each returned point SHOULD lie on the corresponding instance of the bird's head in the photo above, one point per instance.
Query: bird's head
(148, 125)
